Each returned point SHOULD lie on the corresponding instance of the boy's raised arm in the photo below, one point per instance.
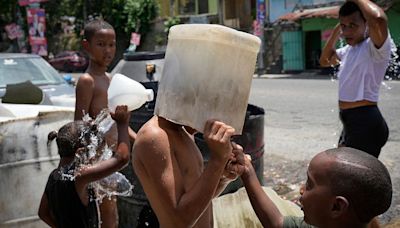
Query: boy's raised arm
(376, 21)
(84, 95)
(268, 214)
(328, 56)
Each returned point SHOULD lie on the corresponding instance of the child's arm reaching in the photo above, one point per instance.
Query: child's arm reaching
(132, 135)
(267, 212)
(233, 169)
(44, 212)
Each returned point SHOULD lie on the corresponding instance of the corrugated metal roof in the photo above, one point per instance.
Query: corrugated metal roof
(325, 12)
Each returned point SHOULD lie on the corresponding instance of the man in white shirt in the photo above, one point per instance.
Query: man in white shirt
(363, 62)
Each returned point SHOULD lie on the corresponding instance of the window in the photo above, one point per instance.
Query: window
(36, 70)
(187, 6)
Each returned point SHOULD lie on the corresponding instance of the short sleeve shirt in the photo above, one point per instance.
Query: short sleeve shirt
(295, 222)
(362, 69)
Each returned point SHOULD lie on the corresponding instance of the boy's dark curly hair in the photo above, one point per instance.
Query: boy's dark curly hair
(349, 8)
(93, 26)
(362, 179)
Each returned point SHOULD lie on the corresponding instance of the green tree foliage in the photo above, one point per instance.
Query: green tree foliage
(171, 21)
(126, 16)
(7, 11)
(140, 13)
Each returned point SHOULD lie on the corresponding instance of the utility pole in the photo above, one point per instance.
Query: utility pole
(171, 8)
(84, 12)
(260, 17)
(220, 12)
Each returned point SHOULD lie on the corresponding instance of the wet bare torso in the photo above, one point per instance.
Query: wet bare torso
(187, 163)
(99, 102)
(100, 97)
(108, 207)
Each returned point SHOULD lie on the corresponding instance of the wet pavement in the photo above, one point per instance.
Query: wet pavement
(302, 119)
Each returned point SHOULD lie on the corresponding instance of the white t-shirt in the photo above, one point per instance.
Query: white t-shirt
(362, 69)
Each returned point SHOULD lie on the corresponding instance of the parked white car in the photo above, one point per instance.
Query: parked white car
(35, 100)
(18, 68)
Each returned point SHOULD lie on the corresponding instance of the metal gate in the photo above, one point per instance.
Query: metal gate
(293, 51)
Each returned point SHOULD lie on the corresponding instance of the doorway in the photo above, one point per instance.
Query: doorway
(313, 49)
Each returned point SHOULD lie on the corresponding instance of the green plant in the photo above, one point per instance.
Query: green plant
(139, 14)
(159, 39)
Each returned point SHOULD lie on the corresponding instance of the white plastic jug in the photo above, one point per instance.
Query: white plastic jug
(207, 75)
(125, 91)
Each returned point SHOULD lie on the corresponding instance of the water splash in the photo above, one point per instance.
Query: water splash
(97, 150)
(341, 42)
(393, 70)
(92, 136)
(335, 69)
(335, 72)
(114, 185)
(67, 173)
(386, 86)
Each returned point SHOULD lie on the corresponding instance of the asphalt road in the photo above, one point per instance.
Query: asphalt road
(301, 120)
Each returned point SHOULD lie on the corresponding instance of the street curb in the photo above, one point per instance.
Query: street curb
(304, 75)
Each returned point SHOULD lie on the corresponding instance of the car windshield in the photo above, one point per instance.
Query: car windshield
(35, 69)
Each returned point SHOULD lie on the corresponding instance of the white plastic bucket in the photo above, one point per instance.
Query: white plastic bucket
(207, 74)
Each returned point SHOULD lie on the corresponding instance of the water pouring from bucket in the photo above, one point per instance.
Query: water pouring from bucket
(125, 91)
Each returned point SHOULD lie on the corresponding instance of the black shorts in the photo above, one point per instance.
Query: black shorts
(364, 128)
